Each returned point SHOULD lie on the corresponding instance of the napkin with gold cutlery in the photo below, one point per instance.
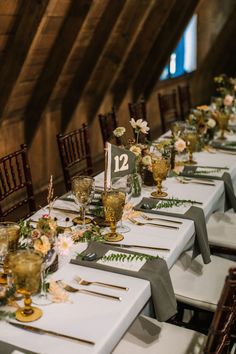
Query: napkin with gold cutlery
(193, 213)
(154, 270)
(230, 198)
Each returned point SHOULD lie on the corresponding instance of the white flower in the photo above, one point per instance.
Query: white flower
(228, 100)
(64, 244)
(211, 123)
(147, 160)
(140, 125)
(180, 145)
(119, 131)
(136, 150)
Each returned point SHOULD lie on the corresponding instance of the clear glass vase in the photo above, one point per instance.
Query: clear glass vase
(136, 184)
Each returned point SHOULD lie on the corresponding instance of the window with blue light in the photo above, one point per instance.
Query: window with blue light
(184, 58)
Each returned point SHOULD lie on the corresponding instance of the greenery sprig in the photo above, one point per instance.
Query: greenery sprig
(121, 257)
(6, 315)
(206, 172)
(172, 202)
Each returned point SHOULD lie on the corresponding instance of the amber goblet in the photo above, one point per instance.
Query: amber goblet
(83, 188)
(223, 120)
(25, 266)
(113, 203)
(191, 139)
(160, 169)
(9, 236)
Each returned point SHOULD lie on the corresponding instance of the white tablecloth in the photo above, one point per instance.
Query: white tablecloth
(105, 321)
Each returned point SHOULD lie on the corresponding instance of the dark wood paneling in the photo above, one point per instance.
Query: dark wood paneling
(30, 15)
(54, 65)
(140, 49)
(90, 58)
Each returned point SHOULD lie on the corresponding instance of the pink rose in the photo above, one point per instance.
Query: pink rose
(180, 145)
(228, 100)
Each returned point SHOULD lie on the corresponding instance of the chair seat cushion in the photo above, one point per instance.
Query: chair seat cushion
(199, 284)
(147, 335)
(221, 229)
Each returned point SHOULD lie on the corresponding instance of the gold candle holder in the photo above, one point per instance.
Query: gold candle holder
(113, 202)
(223, 120)
(160, 169)
(26, 268)
(191, 140)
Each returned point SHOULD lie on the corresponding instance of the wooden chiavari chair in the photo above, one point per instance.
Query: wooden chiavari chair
(137, 110)
(185, 102)
(74, 150)
(108, 123)
(16, 188)
(168, 109)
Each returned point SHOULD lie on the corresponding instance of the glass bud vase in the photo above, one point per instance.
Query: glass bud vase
(136, 184)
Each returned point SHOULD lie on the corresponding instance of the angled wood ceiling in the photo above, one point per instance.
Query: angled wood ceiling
(57, 53)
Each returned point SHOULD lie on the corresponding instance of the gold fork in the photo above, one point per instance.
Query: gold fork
(86, 282)
(71, 289)
(153, 224)
(144, 216)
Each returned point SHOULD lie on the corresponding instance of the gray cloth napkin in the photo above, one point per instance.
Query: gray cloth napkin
(201, 245)
(155, 271)
(230, 198)
(6, 348)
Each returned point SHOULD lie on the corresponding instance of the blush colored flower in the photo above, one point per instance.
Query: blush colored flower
(58, 294)
(228, 100)
(42, 245)
(119, 131)
(64, 244)
(147, 160)
(211, 123)
(36, 233)
(136, 150)
(180, 145)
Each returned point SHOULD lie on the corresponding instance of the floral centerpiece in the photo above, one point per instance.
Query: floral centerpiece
(205, 123)
(140, 149)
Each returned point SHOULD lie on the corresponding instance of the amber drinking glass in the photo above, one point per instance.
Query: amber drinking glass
(9, 236)
(83, 188)
(113, 203)
(223, 120)
(160, 169)
(191, 138)
(25, 266)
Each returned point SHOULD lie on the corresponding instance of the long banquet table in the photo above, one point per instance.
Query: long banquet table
(105, 321)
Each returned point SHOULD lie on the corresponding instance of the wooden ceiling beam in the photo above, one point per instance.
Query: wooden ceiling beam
(110, 60)
(90, 58)
(165, 42)
(54, 65)
(158, 12)
(29, 17)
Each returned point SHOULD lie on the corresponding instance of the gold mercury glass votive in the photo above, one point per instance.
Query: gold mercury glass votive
(26, 271)
(160, 169)
(113, 203)
(191, 140)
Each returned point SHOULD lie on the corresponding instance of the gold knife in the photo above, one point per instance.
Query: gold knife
(46, 331)
(137, 246)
